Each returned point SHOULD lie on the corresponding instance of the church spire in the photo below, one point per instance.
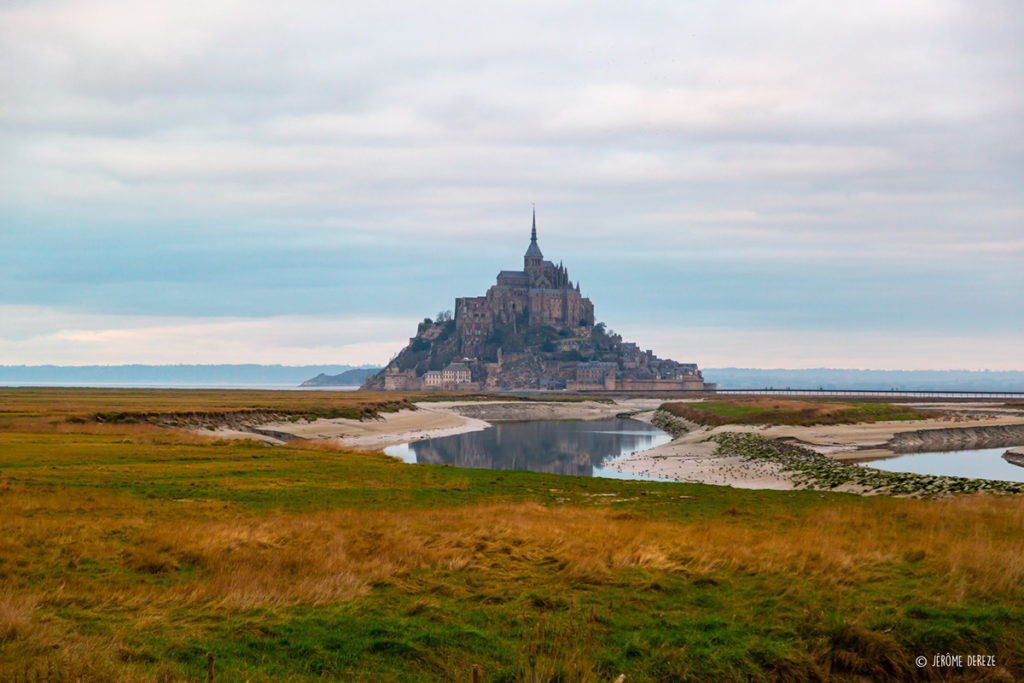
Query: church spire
(533, 261)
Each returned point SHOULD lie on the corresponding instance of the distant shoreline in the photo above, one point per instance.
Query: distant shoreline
(245, 375)
(169, 385)
(164, 375)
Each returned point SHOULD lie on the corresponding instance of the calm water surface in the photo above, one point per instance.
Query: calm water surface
(985, 463)
(562, 447)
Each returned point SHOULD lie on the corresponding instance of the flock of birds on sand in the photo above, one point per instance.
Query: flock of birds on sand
(726, 471)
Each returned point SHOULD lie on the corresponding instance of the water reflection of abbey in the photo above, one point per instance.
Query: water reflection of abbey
(552, 447)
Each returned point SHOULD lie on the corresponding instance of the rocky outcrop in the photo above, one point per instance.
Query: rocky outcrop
(955, 439)
(434, 347)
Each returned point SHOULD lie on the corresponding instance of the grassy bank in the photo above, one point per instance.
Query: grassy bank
(791, 412)
(667, 422)
(816, 471)
(129, 552)
(48, 407)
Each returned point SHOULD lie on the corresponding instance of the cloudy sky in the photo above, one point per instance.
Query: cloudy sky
(786, 184)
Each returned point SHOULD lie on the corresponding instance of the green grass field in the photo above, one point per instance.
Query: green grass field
(775, 411)
(128, 552)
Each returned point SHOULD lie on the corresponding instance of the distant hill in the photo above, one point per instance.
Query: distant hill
(129, 375)
(354, 377)
(832, 378)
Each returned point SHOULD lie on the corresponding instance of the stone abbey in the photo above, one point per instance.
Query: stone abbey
(540, 294)
(532, 329)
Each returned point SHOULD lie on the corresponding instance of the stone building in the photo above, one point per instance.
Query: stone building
(456, 373)
(595, 372)
(400, 380)
(540, 294)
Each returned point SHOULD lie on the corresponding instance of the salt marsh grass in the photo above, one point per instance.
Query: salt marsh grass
(128, 551)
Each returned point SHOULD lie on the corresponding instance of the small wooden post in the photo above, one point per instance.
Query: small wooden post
(476, 674)
(621, 678)
(209, 667)
(533, 669)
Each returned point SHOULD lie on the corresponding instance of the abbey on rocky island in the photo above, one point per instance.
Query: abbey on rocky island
(533, 329)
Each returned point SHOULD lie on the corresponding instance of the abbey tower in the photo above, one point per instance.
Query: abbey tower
(540, 294)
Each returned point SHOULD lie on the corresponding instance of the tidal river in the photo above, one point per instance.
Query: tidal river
(979, 463)
(558, 447)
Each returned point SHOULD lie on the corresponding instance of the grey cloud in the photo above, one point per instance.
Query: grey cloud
(873, 137)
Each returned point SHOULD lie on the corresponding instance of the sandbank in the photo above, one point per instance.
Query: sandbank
(426, 422)
(691, 458)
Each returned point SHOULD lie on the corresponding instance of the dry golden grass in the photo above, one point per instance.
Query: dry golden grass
(56, 654)
(237, 561)
(245, 561)
(16, 615)
(326, 445)
(80, 401)
(128, 433)
(139, 433)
